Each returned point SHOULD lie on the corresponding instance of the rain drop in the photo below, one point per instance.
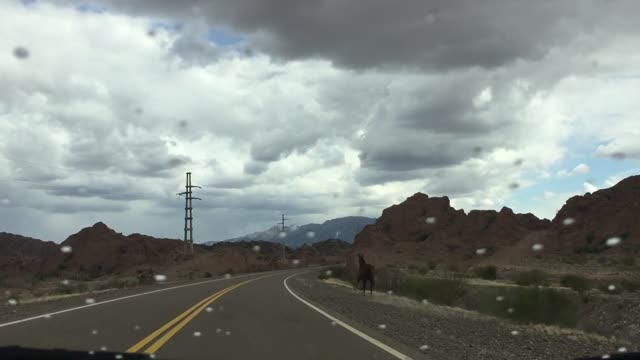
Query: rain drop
(136, 327)
(514, 186)
(605, 356)
(382, 326)
(390, 292)
(618, 155)
(65, 282)
(333, 323)
(153, 356)
(94, 332)
(328, 272)
(227, 276)
(499, 298)
(20, 52)
(12, 302)
(47, 316)
(66, 249)
(310, 234)
(613, 241)
(227, 332)
(425, 302)
(510, 310)
(90, 301)
(197, 333)
(430, 220)
(295, 261)
(209, 309)
(611, 287)
(518, 162)
(91, 352)
(622, 349)
(256, 248)
(218, 331)
(103, 348)
(160, 277)
(568, 221)
(118, 356)
(481, 251)
(537, 247)
(282, 235)
(424, 347)
(151, 33)
(515, 332)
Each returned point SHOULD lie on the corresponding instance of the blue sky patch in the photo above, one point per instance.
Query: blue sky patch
(223, 37)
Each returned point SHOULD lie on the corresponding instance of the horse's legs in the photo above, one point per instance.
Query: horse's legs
(364, 287)
(371, 286)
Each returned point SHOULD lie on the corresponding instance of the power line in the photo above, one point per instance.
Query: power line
(188, 213)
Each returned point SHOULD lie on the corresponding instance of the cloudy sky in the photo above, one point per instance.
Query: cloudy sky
(318, 109)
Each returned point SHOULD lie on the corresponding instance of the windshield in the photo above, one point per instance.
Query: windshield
(320, 179)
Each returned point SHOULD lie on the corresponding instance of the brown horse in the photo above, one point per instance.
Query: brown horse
(365, 273)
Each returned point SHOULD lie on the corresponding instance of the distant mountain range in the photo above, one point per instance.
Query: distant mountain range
(344, 228)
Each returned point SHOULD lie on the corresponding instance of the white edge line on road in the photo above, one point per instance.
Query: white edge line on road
(375, 342)
(118, 299)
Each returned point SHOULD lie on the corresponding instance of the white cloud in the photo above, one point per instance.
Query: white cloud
(589, 187)
(580, 169)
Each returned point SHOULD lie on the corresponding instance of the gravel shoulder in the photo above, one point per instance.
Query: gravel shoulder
(451, 333)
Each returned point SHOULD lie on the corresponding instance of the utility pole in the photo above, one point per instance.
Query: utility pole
(188, 214)
(284, 257)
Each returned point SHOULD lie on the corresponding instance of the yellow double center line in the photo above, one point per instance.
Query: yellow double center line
(180, 321)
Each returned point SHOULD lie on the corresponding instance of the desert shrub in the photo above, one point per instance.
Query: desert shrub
(432, 265)
(422, 270)
(630, 285)
(531, 277)
(575, 282)
(453, 267)
(70, 288)
(488, 272)
(145, 277)
(440, 291)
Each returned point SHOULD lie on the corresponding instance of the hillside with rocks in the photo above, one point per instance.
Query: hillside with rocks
(423, 229)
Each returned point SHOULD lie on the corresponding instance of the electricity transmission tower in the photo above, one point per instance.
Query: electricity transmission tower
(188, 213)
(281, 223)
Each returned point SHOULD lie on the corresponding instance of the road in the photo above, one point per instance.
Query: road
(254, 316)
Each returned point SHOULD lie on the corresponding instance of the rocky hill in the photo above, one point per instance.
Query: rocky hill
(344, 228)
(424, 228)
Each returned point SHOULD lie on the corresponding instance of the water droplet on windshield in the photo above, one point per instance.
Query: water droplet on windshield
(622, 349)
(477, 150)
(209, 309)
(568, 221)
(282, 235)
(47, 316)
(151, 33)
(295, 261)
(256, 248)
(606, 356)
(310, 234)
(424, 347)
(390, 292)
(153, 356)
(333, 323)
(136, 327)
(537, 247)
(65, 282)
(382, 326)
(20, 52)
(514, 186)
(481, 251)
(518, 162)
(499, 298)
(66, 249)
(94, 332)
(90, 301)
(613, 241)
(218, 331)
(197, 333)
(425, 302)
(328, 272)
(515, 332)
(227, 332)
(611, 287)
(91, 352)
(118, 356)
(510, 310)
(103, 348)
(160, 277)
(619, 155)
(227, 276)
(430, 220)
(12, 302)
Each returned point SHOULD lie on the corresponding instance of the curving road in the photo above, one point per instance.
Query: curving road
(254, 316)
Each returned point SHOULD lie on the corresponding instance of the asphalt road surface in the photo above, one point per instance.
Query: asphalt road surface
(254, 316)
